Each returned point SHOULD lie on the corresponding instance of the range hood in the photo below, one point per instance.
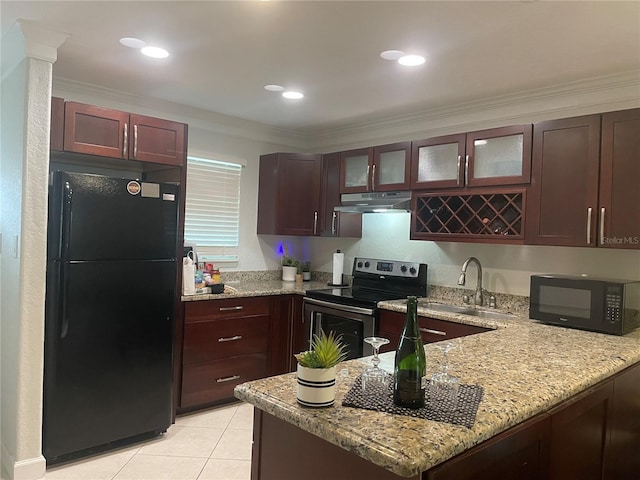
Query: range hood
(374, 202)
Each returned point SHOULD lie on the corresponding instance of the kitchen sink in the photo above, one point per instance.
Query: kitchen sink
(443, 307)
(486, 314)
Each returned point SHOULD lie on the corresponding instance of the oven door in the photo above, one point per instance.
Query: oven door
(354, 324)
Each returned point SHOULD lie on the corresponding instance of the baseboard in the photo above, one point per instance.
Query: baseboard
(30, 469)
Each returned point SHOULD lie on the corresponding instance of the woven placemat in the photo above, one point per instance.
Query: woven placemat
(464, 412)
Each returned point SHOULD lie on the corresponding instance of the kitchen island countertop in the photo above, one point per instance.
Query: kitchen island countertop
(524, 367)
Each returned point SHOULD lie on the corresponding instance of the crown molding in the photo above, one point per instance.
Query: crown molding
(591, 95)
(196, 117)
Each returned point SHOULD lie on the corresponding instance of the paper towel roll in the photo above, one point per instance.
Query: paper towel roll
(338, 266)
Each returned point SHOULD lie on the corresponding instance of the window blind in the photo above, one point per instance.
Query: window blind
(212, 209)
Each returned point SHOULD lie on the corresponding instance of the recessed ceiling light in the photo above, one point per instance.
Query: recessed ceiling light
(132, 42)
(411, 60)
(293, 95)
(392, 54)
(274, 88)
(154, 52)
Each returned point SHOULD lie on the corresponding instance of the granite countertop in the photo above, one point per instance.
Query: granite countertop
(525, 368)
(258, 288)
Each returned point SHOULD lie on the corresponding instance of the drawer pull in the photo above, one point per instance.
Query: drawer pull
(230, 339)
(228, 309)
(435, 332)
(228, 379)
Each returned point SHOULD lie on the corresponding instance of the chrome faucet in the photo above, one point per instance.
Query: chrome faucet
(463, 277)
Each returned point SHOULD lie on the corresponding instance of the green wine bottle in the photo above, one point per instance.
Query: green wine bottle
(410, 366)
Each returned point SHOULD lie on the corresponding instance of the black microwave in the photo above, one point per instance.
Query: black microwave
(588, 303)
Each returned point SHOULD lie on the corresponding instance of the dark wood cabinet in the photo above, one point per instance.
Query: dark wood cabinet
(383, 168)
(619, 195)
(520, 453)
(578, 436)
(332, 223)
(499, 156)
(104, 132)
(289, 194)
(493, 215)
(56, 139)
(225, 343)
(622, 459)
(431, 329)
(584, 182)
(563, 198)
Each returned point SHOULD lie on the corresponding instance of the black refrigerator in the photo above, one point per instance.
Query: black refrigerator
(109, 312)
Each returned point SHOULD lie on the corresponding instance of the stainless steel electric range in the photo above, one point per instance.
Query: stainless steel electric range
(352, 311)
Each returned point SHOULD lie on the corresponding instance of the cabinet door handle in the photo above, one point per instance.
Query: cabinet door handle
(466, 169)
(602, 212)
(373, 179)
(458, 169)
(333, 223)
(435, 332)
(368, 177)
(228, 379)
(589, 213)
(228, 309)
(135, 141)
(315, 222)
(126, 140)
(230, 339)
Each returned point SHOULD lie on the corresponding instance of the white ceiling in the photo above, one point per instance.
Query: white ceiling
(224, 52)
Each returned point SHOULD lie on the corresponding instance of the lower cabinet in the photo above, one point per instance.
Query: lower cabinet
(517, 454)
(594, 435)
(226, 342)
(431, 329)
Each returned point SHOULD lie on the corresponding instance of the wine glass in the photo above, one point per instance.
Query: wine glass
(374, 378)
(444, 387)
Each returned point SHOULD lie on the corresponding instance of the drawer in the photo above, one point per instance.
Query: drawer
(431, 329)
(215, 380)
(201, 311)
(225, 337)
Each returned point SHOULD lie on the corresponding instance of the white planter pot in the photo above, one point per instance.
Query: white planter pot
(316, 386)
(289, 274)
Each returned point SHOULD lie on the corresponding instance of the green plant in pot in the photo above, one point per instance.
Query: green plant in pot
(306, 271)
(316, 373)
(289, 268)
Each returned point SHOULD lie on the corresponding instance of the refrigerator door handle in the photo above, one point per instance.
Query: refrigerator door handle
(62, 279)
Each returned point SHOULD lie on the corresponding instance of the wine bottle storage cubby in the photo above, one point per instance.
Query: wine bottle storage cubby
(477, 215)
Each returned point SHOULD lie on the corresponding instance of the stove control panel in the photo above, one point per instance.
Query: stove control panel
(386, 267)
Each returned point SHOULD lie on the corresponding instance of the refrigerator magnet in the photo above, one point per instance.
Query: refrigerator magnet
(133, 187)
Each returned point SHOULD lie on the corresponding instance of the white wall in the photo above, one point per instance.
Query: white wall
(506, 268)
(26, 93)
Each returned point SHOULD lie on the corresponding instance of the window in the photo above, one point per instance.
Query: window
(212, 213)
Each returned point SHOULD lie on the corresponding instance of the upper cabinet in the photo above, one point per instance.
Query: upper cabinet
(564, 187)
(584, 182)
(332, 223)
(619, 195)
(500, 156)
(376, 169)
(111, 133)
(289, 194)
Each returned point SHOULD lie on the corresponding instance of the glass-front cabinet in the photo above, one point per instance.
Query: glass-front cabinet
(377, 169)
(500, 156)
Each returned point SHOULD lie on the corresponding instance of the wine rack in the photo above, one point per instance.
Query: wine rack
(490, 216)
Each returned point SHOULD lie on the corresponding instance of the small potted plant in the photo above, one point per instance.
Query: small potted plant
(306, 271)
(316, 374)
(289, 268)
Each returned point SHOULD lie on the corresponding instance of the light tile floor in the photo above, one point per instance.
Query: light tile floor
(212, 444)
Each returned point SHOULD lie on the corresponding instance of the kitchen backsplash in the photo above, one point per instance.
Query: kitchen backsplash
(504, 302)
